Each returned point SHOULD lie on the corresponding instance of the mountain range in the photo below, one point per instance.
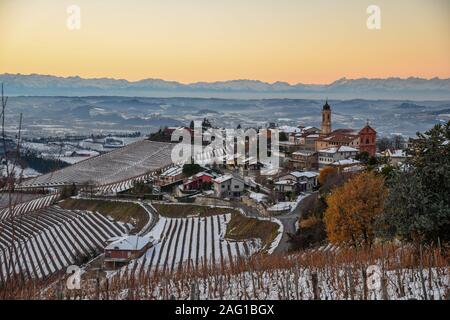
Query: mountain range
(389, 88)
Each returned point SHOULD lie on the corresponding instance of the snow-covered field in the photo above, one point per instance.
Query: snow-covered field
(192, 241)
(46, 241)
(299, 284)
(18, 172)
(28, 206)
(134, 160)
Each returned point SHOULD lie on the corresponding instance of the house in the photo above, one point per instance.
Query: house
(120, 250)
(228, 186)
(308, 142)
(331, 155)
(304, 180)
(396, 156)
(307, 179)
(347, 165)
(283, 188)
(337, 138)
(197, 181)
(304, 160)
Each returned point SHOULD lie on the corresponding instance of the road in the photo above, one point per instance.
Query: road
(288, 221)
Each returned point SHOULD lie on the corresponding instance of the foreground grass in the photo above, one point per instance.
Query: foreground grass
(126, 212)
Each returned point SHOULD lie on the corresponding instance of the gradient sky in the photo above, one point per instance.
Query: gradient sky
(210, 40)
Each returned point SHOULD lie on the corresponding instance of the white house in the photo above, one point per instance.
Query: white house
(396, 156)
(305, 180)
(331, 155)
(228, 186)
(285, 186)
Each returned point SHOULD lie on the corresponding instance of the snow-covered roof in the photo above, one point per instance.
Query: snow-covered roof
(307, 174)
(289, 129)
(333, 150)
(226, 178)
(128, 243)
(285, 182)
(346, 162)
(398, 153)
(347, 149)
(329, 150)
(303, 153)
(223, 178)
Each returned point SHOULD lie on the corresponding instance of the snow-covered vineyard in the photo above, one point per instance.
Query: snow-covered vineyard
(298, 284)
(127, 163)
(123, 185)
(190, 242)
(393, 273)
(28, 206)
(48, 240)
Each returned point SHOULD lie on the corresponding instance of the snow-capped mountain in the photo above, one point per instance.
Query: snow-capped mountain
(392, 88)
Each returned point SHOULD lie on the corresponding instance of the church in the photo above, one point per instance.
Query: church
(364, 140)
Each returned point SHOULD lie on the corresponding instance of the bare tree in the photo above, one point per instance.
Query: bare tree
(12, 173)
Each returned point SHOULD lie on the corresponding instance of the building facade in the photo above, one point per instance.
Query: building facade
(368, 140)
(331, 155)
(228, 186)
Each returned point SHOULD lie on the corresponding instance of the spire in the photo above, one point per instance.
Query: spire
(326, 106)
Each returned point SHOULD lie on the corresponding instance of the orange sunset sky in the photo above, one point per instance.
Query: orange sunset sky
(211, 40)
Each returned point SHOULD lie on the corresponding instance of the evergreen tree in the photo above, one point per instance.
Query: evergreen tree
(418, 206)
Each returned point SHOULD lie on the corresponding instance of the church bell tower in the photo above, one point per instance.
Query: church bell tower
(326, 119)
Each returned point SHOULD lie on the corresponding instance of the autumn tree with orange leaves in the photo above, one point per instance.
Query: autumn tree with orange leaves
(353, 209)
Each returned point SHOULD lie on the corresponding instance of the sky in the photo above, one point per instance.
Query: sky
(296, 41)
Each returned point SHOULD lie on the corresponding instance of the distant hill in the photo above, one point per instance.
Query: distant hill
(390, 88)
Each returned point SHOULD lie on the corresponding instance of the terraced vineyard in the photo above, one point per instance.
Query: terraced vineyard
(43, 242)
(191, 242)
(127, 163)
(123, 185)
(28, 206)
